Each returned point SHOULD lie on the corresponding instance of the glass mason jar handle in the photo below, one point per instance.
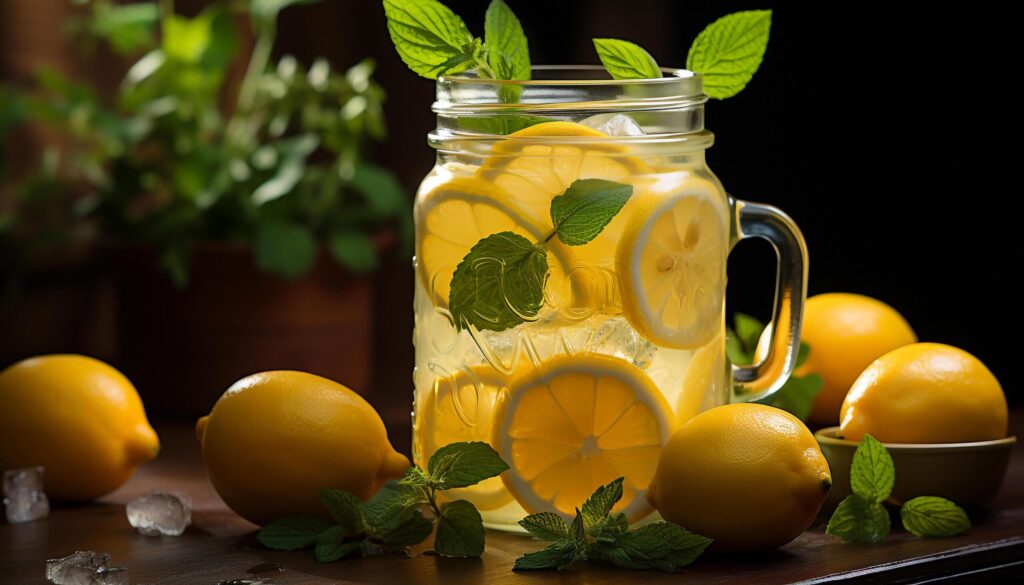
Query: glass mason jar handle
(759, 381)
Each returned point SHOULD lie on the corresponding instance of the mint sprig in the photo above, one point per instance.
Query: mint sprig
(861, 517)
(729, 51)
(598, 535)
(626, 60)
(401, 514)
(500, 282)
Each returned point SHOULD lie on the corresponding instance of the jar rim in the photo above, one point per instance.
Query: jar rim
(672, 75)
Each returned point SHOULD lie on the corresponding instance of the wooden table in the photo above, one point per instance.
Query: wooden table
(221, 546)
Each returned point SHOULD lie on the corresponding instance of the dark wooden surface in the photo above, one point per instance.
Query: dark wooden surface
(221, 546)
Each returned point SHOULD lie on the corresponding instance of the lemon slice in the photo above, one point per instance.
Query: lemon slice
(460, 407)
(671, 265)
(703, 380)
(536, 170)
(576, 423)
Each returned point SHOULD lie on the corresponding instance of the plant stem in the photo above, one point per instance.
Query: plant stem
(266, 34)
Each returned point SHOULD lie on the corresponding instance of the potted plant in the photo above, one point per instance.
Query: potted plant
(238, 218)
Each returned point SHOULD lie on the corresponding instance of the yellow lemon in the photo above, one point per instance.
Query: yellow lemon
(747, 475)
(274, 439)
(925, 393)
(460, 407)
(846, 332)
(79, 418)
(577, 422)
(671, 264)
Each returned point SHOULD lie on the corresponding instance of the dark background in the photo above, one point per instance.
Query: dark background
(890, 137)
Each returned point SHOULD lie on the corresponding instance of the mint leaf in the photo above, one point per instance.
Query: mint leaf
(501, 124)
(331, 545)
(292, 532)
(499, 283)
(872, 473)
(546, 526)
(459, 465)
(748, 330)
(379, 187)
(430, 38)
(797, 395)
(859, 520)
(508, 52)
(729, 51)
(460, 531)
(346, 509)
(934, 517)
(734, 349)
(683, 546)
(802, 354)
(284, 248)
(577, 531)
(559, 555)
(407, 529)
(626, 60)
(663, 546)
(388, 507)
(599, 505)
(354, 250)
(586, 207)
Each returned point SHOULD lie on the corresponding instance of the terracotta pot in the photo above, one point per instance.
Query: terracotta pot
(183, 347)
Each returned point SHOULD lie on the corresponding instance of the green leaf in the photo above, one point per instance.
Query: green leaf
(661, 545)
(748, 330)
(626, 60)
(410, 528)
(501, 124)
(128, 27)
(430, 38)
(284, 248)
(872, 473)
(292, 532)
(859, 520)
(577, 530)
(802, 354)
(729, 51)
(546, 526)
(734, 349)
(934, 517)
(499, 283)
(600, 503)
(291, 154)
(559, 555)
(508, 52)
(353, 250)
(331, 545)
(460, 531)
(459, 465)
(683, 546)
(380, 188)
(586, 207)
(797, 395)
(268, 10)
(388, 507)
(346, 509)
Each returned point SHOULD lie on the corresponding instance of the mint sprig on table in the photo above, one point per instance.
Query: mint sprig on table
(393, 519)
(861, 516)
(596, 534)
(500, 282)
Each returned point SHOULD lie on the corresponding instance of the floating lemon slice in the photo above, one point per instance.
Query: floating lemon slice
(671, 265)
(576, 423)
(460, 407)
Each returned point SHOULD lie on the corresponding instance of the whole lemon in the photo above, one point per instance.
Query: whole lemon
(846, 332)
(274, 439)
(925, 393)
(79, 418)
(749, 476)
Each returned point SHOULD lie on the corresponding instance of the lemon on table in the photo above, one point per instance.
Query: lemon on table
(925, 393)
(846, 332)
(578, 422)
(460, 407)
(274, 439)
(671, 264)
(749, 476)
(79, 418)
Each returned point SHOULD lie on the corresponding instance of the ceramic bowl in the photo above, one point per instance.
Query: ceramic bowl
(969, 474)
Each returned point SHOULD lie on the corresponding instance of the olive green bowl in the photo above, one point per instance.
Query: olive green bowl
(969, 474)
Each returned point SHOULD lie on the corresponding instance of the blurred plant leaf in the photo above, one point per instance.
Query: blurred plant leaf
(292, 155)
(353, 250)
(127, 27)
(286, 249)
(268, 10)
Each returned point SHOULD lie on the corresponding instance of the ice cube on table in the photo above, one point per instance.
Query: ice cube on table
(85, 568)
(24, 498)
(160, 512)
(614, 124)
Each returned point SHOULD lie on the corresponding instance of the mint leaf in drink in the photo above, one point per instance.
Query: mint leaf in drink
(859, 520)
(546, 526)
(331, 545)
(499, 283)
(429, 37)
(934, 517)
(460, 531)
(872, 473)
(797, 395)
(501, 124)
(586, 207)
(459, 465)
(626, 60)
(729, 51)
(559, 555)
(292, 532)
(346, 509)
(508, 52)
(599, 505)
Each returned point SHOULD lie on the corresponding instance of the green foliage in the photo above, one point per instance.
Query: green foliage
(729, 51)
(626, 60)
(280, 168)
(934, 517)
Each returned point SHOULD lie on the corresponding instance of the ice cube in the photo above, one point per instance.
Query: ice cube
(24, 498)
(614, 124)
(615, 336)
(159, 513)
(85, 568)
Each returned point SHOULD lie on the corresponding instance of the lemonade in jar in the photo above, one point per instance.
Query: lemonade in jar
(570, 263)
